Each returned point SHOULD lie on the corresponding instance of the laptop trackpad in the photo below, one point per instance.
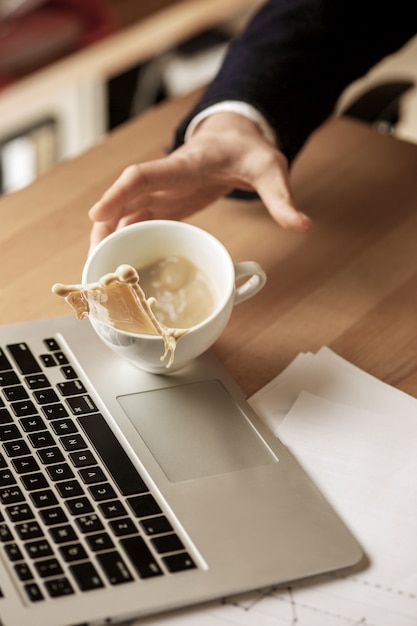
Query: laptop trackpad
(196, 430)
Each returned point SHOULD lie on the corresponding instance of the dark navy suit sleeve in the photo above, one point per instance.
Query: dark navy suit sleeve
(296, 56)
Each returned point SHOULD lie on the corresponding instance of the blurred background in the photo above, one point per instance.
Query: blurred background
(73, 70)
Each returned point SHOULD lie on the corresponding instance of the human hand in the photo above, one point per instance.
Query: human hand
(226, 152)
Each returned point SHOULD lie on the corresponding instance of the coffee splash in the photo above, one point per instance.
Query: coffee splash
(118, 300)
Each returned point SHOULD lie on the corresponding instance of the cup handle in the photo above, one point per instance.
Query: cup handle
(251, 286)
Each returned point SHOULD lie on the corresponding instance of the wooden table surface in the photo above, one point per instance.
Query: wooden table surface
(350, 284)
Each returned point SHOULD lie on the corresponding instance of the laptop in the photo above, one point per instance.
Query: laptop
(125, 494)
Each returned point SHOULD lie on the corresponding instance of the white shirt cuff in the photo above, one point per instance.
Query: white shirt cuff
(234, 106)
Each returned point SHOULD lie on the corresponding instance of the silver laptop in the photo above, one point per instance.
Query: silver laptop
(124, 494)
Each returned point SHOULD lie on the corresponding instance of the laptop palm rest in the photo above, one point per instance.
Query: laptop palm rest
(195, 430)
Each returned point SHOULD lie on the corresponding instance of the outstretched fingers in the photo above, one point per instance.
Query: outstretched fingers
(273, 186)
(135, 182)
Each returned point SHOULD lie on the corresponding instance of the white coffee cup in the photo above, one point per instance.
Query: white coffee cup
(143, 243)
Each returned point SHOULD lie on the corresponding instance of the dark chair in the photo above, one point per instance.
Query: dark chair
(380, 105)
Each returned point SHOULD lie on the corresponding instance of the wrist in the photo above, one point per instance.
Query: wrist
(234, 108)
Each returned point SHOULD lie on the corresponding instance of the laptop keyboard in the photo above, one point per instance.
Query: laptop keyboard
(75, 514)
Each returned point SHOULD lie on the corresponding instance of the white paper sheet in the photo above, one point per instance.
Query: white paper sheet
(366, 465)
(329, 376)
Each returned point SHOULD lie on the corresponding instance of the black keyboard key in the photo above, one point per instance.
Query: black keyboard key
(99, 542)
(3, 463)
(24, 408)
(9, 432)
(48, 360)
(37, 381)
(112, 509)
(24, 358)
(5, 534)
(61, 471)
(123, 527)
(15, 448)
(32, 424)
(13, 552)
(34, 481)
(43, 498)
(68, 372)
(5, 417)
(141, 557)
(61, 358)
(63, 534)
(102, 492)
(50, 455)
(25, 464)
(156, 525)
(6, 478)
(64, 427)
(33, 592)
(52, 344)
(19, 512)
(92, 475)
(86, 576)
(83, 458)
(54, 411)
(71, 388)
(179, 562)
(167, 543)
(53, 516)
(73, 552)
(46, 396)
(73, 442)
(113, 455)
(59, 587)
(89, 523)
(114, 567)
(48, 568)
(29, 530)
(38, 549)
(42, 439)
(11, 495)
(69, 489)
(79, 506)
(81, 405)
(23, 571)
(9, 378)
(4, 361)
(144, 506)
(18, 392)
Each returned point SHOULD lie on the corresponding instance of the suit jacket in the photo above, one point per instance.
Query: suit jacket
(296, 56)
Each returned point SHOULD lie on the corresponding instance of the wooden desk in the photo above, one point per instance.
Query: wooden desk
(350, 284)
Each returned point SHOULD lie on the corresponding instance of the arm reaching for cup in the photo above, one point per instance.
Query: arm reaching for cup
(290, 64)
(225, 152)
